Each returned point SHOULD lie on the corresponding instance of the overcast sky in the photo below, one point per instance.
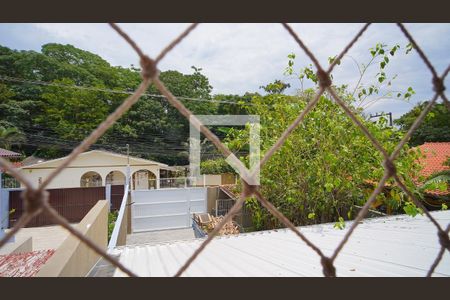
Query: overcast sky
(241, 57)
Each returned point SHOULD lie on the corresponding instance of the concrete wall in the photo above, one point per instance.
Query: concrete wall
(74, 258)
(100, 162)
(211, 179)
(212, 195)
(216, 179)
(20, 245)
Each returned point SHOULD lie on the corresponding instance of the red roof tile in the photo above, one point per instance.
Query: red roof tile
(435, 155)
(23, 264)
(7, 153)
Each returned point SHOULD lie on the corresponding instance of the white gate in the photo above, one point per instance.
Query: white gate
(166, 208)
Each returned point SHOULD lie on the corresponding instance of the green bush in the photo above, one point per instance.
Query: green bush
(112, 217)
(215, 166)
(320, 171)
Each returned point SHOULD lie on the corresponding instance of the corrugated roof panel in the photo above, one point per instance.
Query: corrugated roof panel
(391, 246)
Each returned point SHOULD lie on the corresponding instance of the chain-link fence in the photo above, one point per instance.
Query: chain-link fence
(36, 199)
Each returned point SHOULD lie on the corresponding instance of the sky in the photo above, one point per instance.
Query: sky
(239, 58)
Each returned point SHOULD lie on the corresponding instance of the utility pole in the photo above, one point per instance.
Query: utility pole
(127, 181)
(128, 154)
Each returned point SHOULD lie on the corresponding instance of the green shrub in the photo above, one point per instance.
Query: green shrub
(321, 170)
(215, 166)
(112, 217)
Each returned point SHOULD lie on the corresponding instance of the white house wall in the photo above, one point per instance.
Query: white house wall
(101, 163)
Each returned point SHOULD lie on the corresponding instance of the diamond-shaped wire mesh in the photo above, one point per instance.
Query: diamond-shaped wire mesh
(36, 199)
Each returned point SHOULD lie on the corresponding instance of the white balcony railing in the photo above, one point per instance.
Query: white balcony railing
(177, 182)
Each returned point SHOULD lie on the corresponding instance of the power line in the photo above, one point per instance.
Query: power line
(172, 145)
(153, 137)
(45, 83)
(145, 149)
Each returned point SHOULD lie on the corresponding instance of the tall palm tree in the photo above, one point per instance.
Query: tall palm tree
(10, 136)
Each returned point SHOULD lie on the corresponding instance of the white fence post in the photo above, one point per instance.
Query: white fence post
(120, 216)
(108, 194)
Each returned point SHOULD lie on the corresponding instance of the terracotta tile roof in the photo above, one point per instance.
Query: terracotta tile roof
(7, 153)
(435, 155)
(23, 264)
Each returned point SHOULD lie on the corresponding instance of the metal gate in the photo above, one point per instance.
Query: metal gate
(166, 208)
(71, 203)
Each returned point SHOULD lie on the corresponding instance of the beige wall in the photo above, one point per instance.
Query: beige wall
(20, 245)
(216, 179)
(99, 162)
(74, 258)
(211, 179)
(212, 195)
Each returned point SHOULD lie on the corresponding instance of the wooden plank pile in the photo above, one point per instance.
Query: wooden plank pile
(229, 228)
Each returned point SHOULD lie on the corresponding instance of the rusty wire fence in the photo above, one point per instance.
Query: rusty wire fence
(36, 200)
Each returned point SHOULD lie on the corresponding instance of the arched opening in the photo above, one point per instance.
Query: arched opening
(143, 180)
(115, 178)
(91, 179)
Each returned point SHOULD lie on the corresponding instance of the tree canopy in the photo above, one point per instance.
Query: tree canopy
(84, 89)
(326, 166)
(434, 128)
(52, 99)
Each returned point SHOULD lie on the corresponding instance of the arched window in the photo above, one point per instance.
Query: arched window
(91, 179)
(143, 180)
(115, 178)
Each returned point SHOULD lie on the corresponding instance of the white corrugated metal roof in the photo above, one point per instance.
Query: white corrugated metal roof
(388, 246)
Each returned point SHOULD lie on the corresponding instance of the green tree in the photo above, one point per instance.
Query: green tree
(327, 165)
(71, 113)
(215, 166)
(10, 136)
(233, 104)
(276, 87)
(55, 118)
(434, 128)
(323, 168)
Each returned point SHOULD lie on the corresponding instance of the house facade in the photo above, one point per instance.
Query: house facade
(7, 181)
(97, 168)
